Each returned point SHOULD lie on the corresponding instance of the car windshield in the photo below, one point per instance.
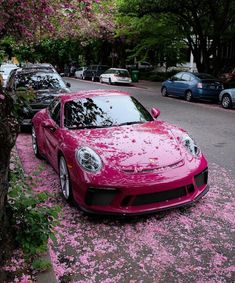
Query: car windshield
(104, 111)
(204, 76)
(39, 81)
(122, 72)
(7, 70)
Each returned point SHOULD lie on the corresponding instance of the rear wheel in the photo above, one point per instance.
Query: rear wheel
(226, 101)
(189, 95)
(35, 144)
(164, 91)
(65, 182)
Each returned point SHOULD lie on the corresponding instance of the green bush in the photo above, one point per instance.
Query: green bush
(157, 76)
(33, 221)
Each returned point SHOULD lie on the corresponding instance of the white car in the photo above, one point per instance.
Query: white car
(79, 72)
(5, 70)
(116, 75)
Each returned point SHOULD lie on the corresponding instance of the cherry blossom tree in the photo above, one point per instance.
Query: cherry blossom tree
(34, 20)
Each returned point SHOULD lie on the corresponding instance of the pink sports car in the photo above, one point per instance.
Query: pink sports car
(114, 157)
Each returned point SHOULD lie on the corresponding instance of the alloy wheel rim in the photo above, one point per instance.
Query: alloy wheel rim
(34, 141)
(189, 95)
(226, 101)
(64, 178)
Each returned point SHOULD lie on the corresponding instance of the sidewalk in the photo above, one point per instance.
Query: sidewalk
(149, 85)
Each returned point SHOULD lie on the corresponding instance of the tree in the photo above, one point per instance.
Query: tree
(204, 24)
(151, 39)
(33, 21)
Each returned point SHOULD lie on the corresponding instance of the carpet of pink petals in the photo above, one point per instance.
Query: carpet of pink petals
(193, 244)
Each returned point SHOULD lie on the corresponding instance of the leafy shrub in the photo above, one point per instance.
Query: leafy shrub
(157, 76)
(32, 219)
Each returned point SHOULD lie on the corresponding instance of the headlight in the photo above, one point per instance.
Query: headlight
(190, 145)
(88, 159)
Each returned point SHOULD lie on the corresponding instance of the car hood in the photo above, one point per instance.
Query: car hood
(135, 148)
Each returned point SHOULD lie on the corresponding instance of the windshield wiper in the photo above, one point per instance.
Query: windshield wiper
(131, 123)
(87, 127)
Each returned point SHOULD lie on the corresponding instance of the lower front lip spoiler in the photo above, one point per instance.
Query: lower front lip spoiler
(190, 203)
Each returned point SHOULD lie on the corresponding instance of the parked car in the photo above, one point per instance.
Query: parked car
(79, 72)
(142, 65)
(5, 70)
(113, 156)
(227, 98)
(44, 84)
(192, 86)
(115, 75)
(93, 72)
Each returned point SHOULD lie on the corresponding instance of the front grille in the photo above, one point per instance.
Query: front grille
(159, 196)
(202, 178)
(100, 196)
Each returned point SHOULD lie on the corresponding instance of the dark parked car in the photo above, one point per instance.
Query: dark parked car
(192, 86)
(93, 72)
(44, 84)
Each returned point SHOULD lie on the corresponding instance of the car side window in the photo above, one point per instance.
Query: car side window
(176, 77)
(54, 110)
(186, 77)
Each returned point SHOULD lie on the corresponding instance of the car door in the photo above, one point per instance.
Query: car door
(53, 134)
(184, 84)
(173, 84)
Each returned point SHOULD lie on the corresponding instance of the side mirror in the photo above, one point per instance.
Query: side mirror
(155, 112)
(68, 84)
(49, 124)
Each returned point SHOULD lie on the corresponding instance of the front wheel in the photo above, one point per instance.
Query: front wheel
(164, 92)
(188, 96)
(226, 101)
(35, 144)
(65, 182)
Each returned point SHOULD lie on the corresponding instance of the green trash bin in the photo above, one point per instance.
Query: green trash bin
(135, 76)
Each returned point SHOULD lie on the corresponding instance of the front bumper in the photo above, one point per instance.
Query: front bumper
(146, 198)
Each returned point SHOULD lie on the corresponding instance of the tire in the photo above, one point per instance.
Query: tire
(65, 182)
(101, 81)
(93, 78)
(189, 96)
(226, 101)
(110, 82)
(164, 92)
(83, 77)
(35, 144)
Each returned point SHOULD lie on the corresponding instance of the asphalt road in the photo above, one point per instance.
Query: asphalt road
(209, 124)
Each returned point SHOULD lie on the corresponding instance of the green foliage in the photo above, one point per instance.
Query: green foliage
(149, 37)
(41, 264)
(32, 219)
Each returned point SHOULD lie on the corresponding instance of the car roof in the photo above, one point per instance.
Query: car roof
(91, 93)
(23, 71)
(118, 69)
